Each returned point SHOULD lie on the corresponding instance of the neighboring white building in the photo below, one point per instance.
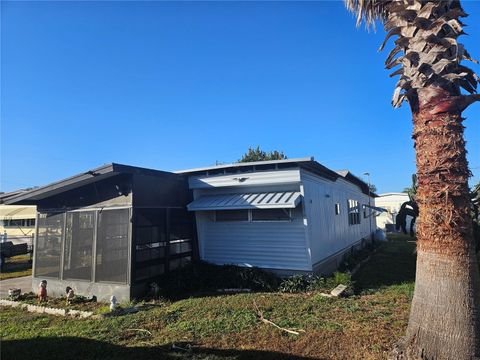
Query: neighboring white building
(290, 215)
(392, 203)
(17, 223)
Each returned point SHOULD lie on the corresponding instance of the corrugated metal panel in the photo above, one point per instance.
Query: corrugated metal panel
(264, 200)
(273, 245)
(245, 179)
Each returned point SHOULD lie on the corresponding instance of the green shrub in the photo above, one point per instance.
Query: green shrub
(294, 284)
(302, 283)
(203, 277)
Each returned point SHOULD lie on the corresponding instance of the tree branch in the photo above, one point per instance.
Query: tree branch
(266, 321)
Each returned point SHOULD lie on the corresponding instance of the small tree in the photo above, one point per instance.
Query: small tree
(259, 155)
(412, 191)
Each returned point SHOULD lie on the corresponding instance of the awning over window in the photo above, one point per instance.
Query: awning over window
(11, 212)
(265, 200)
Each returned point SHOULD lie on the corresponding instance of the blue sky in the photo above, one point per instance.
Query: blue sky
(175, 85)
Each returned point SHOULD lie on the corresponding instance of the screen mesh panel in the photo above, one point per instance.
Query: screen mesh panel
(149, 271)
(77, 262)
(179, 262)
(151, 242)
(181, 231)
(112, 246)
(160, 234)
(49, 245)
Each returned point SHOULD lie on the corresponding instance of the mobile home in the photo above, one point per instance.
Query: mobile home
(288, 216)
(116, 228)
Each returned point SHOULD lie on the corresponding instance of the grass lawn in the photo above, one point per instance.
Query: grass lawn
(16, 266)
(364, 326)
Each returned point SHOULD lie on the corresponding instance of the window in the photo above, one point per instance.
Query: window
(48, 245)
(257, 215)
(337, 209)
(270, 215)
(353, 212)
(231, 215)
(19, 223)
(12, 223)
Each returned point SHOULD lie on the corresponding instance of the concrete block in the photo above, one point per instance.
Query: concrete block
(338, 290)
(79, 313)
(5, 302)
(36, 309)
(55, 311)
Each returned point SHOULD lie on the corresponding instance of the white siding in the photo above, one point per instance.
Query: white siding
(329, 233)
(392, 202)
(315, 234)
(245, 179)
(274, 245)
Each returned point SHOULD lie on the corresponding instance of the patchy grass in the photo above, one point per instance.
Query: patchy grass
(392, 266)
(364, 326)
(16, 266)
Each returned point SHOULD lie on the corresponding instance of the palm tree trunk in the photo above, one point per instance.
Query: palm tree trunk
(445, 314)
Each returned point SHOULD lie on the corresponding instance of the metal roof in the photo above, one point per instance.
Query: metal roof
(306, 163)
(347, 175)
(246, 164)
(264, 200)
(4, 196)
(102, 172)
(393, 194)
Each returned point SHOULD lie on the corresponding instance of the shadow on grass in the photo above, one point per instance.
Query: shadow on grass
(16, 266)
(393, 263)
(80, 348)
(202, 279)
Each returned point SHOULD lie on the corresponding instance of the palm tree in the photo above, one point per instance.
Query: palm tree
(445, 314)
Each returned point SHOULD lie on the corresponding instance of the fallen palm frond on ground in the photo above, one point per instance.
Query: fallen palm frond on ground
(266, 321)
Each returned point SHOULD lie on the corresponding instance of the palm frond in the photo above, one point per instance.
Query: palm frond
(426, 47)
(368, 11)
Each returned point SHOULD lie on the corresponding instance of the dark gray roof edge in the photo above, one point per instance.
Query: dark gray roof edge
(6, 195)
(349, 176)
(89, 174)
(243, 164)
(306, 163)
(129, 169)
